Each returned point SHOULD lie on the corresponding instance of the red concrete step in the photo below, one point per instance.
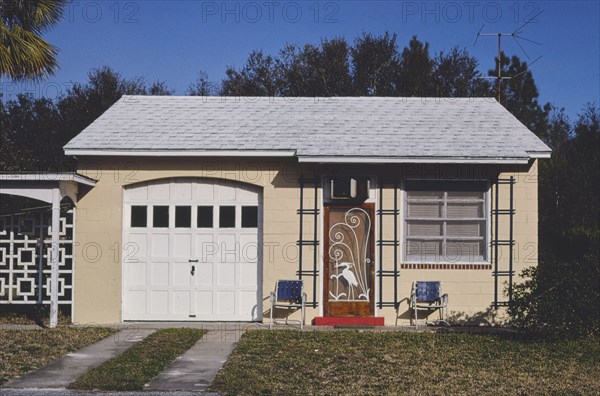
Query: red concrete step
(348, 321)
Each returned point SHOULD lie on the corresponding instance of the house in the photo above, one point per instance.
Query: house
(201, 203)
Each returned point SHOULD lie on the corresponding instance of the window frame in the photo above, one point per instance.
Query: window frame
(442, 258)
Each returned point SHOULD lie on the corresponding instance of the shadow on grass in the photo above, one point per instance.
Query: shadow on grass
(38, 314)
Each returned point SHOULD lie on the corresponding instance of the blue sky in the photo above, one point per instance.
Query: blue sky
(173, 40)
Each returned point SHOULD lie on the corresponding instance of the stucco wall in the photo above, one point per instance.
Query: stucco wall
(99, 222)
(471, 291)
(99, 228)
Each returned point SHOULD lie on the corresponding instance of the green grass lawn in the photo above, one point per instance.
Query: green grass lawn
(25, 350)
(132, 369)
(350, 362)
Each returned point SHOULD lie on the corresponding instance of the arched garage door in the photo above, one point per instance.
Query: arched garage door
(191, 251)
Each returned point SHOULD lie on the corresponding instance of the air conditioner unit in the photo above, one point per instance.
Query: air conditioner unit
(349, 188)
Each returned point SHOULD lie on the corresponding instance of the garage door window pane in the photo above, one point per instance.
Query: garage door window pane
(139, 216)
(161, 216)
(249, 216)
(183, 216)
(227, 217)
(205, 217)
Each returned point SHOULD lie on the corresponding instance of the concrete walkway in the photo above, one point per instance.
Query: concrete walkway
(18, 326)
(197, 368)
(60, 373)
(191, 372)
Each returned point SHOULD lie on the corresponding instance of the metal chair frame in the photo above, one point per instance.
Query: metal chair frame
(427, 296)
(288, 294)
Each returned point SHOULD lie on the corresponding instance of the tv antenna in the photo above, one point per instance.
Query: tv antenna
(516, 35)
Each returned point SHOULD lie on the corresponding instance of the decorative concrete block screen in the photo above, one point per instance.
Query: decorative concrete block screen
(25, 246)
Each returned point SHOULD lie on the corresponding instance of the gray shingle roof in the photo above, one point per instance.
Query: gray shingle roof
(366, 127)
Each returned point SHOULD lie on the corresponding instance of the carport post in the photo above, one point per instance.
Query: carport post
(54, 257)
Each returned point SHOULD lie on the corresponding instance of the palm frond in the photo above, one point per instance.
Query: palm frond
(25, 55)
(33, 15)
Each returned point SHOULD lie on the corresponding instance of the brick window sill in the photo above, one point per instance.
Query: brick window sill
(453, 266)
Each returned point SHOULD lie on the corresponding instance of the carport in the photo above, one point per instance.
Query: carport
(50, 188)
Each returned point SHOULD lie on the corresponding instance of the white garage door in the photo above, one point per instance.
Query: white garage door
(191, 251)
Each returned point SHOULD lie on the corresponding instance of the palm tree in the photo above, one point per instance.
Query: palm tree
(23, 53)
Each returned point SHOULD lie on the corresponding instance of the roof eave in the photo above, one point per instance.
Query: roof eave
(415, 160)
(179, 153)
(309, 159)
(539, 154)
(47, 177)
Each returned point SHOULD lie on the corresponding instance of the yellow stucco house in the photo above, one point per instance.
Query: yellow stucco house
(201, 203)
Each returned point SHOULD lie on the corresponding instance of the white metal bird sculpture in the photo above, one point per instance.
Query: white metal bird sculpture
(349, 276)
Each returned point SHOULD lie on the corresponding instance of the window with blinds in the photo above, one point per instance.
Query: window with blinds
(445, 221)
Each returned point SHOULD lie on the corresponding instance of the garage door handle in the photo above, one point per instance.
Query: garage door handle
(193, 266)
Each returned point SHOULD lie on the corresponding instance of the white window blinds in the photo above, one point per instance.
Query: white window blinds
(445, 221)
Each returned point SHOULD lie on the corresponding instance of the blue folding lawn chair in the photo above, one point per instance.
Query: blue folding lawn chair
(427, 296)
(288, 294)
